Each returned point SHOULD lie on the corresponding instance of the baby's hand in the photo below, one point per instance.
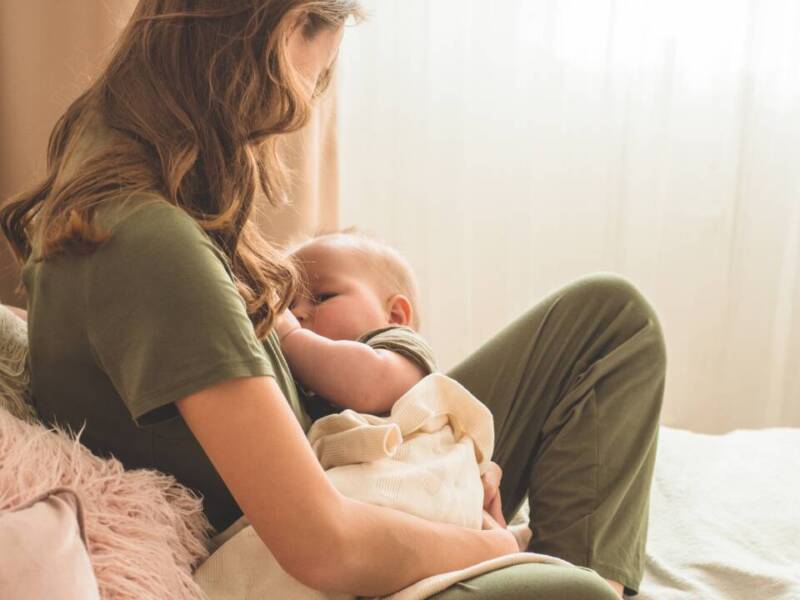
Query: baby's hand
(491, 492)
(285, 324)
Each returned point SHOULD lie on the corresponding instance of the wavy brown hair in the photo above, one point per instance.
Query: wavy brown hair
(194, 95)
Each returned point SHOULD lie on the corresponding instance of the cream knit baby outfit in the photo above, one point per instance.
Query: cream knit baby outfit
(425, 458)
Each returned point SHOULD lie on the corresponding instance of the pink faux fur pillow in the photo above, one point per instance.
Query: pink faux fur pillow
(144, 531)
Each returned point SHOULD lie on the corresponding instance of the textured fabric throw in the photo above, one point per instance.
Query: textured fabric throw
(14, 374)
(425, 458)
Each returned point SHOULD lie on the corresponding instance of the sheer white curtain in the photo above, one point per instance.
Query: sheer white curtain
(508, 147)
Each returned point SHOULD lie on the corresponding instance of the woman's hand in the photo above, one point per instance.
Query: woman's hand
(285, 324)
(506, 540)
(491, 493)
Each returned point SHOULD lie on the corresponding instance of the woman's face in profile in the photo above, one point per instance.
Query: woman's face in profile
(313, 57)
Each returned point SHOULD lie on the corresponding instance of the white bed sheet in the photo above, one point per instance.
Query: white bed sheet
(725, 516)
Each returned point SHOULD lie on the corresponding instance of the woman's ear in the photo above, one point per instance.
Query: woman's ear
(400, 310)
(296, 22)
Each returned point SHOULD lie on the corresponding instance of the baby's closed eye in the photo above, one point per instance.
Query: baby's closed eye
(320, 298)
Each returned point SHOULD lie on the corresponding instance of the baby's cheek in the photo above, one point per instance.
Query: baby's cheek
(345, 325)
(325, 323)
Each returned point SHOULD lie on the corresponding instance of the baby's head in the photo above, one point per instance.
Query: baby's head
(354, 283)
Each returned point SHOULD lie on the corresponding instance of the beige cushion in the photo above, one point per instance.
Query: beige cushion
(44, 553)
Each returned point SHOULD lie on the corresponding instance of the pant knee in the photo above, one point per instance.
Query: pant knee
(620, 314)
(576, 583)
(533, 581)
(610, 288)
(621, 297)
(591, 586)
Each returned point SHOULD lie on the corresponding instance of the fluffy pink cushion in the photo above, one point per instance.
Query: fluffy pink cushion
(48, 558)
(144, 531)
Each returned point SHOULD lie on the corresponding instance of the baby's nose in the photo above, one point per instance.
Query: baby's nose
(303, 310)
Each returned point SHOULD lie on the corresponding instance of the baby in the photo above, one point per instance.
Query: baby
(357, 345)
(351, 339)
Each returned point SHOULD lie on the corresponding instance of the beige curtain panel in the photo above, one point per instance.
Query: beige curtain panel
(50, 50)
(522, 148)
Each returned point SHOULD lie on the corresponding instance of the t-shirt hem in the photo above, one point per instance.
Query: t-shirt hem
(222, 371)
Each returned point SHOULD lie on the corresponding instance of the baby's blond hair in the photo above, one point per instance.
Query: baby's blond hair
(391, 269)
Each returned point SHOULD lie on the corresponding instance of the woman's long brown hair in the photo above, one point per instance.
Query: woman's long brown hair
(195, 93)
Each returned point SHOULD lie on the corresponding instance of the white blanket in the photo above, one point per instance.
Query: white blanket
(725, 517)
(724, 525)
(425, 458)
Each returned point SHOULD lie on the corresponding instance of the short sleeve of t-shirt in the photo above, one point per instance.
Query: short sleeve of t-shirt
(164, 316)
(405, 341)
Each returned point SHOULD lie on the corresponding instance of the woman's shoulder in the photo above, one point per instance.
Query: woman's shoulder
(149, 215)
(150, 228)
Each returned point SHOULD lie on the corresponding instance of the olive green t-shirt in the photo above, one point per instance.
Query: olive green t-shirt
(118, 335)
(397, 338)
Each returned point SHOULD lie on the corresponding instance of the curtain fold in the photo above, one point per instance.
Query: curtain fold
(509, 151)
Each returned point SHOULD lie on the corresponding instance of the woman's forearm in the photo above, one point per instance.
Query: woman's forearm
(384, 550)
(346, 373)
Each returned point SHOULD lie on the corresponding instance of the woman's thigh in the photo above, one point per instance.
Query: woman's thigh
(532, 581)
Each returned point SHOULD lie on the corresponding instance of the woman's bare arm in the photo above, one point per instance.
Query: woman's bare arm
(323, 539)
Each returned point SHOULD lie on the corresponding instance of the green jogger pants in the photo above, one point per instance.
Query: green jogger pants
(575, 386)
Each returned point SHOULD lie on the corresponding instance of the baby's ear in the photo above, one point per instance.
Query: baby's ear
(400, 310)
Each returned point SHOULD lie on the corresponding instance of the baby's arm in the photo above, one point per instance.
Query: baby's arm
(346, 373)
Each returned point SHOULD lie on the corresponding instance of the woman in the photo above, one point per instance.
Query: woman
(154, 303)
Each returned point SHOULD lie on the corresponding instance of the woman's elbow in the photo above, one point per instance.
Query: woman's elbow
(317, 557)
(324, 571)
(311, 571)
